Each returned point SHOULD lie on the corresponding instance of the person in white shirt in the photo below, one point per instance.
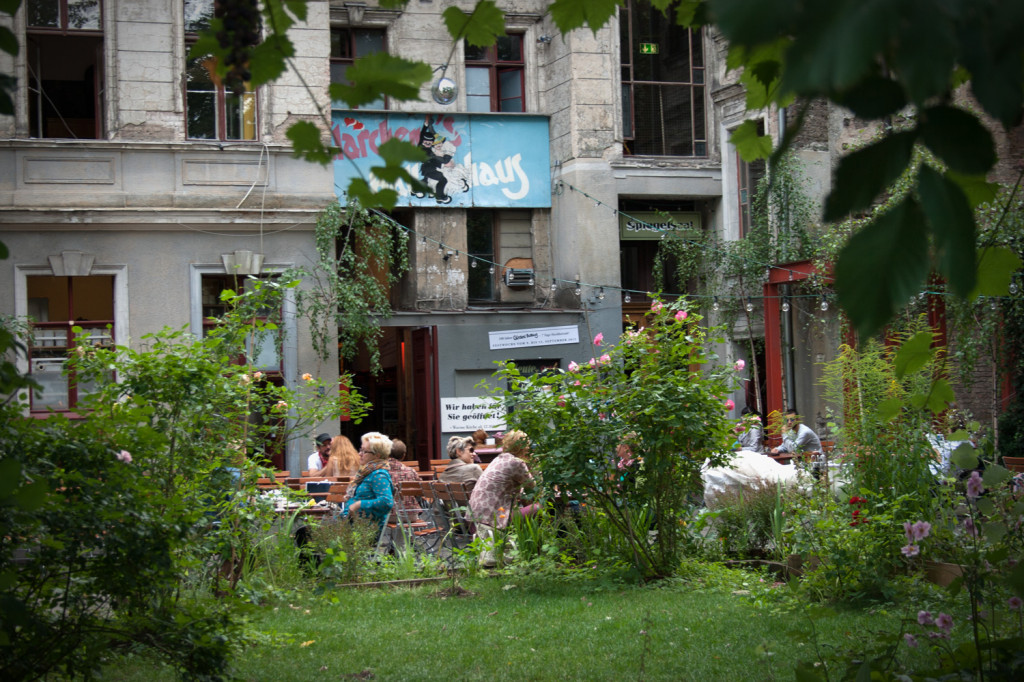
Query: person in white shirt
(318, 460)
(797, 437)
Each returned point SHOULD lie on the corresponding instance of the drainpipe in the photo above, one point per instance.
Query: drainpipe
(788, 357)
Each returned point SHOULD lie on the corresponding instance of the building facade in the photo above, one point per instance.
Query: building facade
(133, 186)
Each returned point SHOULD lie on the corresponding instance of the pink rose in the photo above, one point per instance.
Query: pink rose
(561, 400)
(656, 307)
(573, 367)
(681, 315)
(593, 362)
(729, 404)
(740, 364)
(605, 359)
(124, 456)
(598, 339)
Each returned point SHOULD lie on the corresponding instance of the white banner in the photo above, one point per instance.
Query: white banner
(469, 414)
(542, 336)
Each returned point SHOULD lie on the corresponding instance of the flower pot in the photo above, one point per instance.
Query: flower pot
(942, 573)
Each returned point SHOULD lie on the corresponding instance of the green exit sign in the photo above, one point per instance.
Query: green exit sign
(648, 48)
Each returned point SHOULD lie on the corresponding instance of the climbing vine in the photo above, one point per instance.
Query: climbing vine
(362, 256)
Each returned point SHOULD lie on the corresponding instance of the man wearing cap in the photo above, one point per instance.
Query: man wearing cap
(318, 460)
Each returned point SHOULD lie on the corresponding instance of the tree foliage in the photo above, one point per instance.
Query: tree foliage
(657, 392)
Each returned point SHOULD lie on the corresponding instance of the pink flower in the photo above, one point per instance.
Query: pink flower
(740, 364)
(281, 405)
(910, 640)
(598, 339)
(124, 456)
(605, 359)
(577, 383)
(974, 485)
(944, 622)
(925, 618)
(910, 551)
(917, 531)
(573, 367)
(656, 307)
(682, 315)
(602, 416)
(593, 362)
(969, 526)
(729, 404)
(561, 400)
(1014, 603)
(257, 376)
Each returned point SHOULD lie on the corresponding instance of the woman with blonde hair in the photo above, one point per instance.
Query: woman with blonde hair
(371, 490)
(342, 461)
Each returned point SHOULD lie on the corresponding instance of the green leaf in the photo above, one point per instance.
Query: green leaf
(4, 252)
(882, 266)
(32, 496)
(8, 41)
(1015, 579)
(359, 190)
(10, 476)
(873, 97)
(914, 354)
(689, 13)
(749, 144)
(752, 22)
(952, 222)
(975, 187)
(994, 531)
(9, 6)
(381, 74)
(570, 14)
(480, 28)
(267, 60)
(959, 139)
(297, 8)
(865, 173)
(396, 153)
(888, 409)
(995, 476)
(925, 49)
(941, 396)
(964, 457)
(995, 268)
(307, 143)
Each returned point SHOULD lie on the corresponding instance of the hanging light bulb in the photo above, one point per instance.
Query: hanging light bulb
(714, 304)
(1013, 287)
(578, 290)
(627, 298)
(824, 304)
(768, 272)
(785, 304)
(491, 269)
(554, 285)
(445, 90)
(750, 305)
(600, 294)
(440, 249)
(790, 275)
(472, 262)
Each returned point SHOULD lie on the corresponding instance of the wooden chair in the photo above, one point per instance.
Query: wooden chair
(282, 474)
(453, 506)
(409, 524)
(1014, 463)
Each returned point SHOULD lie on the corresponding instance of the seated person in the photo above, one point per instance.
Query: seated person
(370, 494)
(797, 438)
(750, 435)
(342, 461)
(318, 460)
(401, 471)
(479, 437)
(461, 468)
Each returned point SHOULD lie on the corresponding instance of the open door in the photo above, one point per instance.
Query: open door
(426, 394)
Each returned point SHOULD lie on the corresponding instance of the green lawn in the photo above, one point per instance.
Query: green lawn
(535, 628)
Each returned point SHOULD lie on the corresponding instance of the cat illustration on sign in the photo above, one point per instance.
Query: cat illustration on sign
(439, 171)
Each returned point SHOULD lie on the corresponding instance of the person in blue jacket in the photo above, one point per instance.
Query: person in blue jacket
(371, 493)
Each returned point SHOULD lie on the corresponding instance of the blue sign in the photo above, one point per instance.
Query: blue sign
(472, 161)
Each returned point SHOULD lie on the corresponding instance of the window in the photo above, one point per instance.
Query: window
(267, 357)
(56, 305)
(662, 84)
(212, 112)
(748, 177)
(348, 45)
(480, 242)
(494, 76)
(64, 41)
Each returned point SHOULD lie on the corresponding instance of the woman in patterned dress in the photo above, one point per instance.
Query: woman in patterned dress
(490, 504)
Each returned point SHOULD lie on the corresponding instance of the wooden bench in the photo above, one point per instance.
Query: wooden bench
(1014, 463)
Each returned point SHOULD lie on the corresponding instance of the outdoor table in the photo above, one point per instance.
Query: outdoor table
(487, 455)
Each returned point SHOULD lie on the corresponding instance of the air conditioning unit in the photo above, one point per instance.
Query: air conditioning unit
(518, 278)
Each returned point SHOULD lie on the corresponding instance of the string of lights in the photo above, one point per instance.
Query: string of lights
(600, 291)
